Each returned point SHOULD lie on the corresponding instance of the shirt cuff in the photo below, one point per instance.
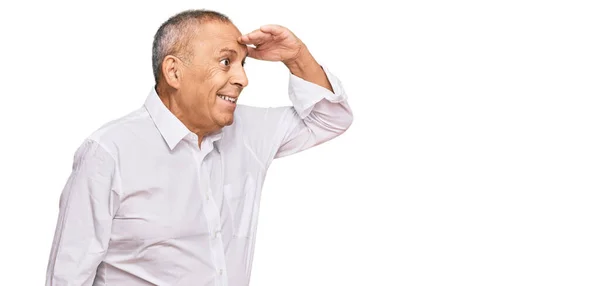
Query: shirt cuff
(304, 94)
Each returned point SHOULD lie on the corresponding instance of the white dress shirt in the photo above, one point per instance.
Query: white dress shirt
(145, 205)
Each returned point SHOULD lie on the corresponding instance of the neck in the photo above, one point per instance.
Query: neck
(168, 97)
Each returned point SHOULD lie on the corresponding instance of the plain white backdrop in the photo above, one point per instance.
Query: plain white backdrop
(473, 158)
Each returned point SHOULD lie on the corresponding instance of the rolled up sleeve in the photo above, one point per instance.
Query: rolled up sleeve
(320, 115)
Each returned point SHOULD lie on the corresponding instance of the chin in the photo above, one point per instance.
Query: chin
(222, 119)
(226, 121)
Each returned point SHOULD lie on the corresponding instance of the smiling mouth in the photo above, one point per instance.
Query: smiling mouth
(227, 98)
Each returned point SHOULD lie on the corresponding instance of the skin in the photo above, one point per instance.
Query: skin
(189, 87)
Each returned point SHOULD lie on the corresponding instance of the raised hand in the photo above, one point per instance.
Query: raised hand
(273, 43)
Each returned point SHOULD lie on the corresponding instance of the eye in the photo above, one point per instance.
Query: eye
(225, 62)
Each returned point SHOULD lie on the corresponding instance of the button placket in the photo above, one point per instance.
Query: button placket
(213, 217)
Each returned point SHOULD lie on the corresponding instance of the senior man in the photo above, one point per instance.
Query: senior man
(169, 193)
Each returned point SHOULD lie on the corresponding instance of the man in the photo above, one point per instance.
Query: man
(169, 194)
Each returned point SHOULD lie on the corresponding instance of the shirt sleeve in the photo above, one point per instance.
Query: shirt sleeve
(318, 115)
(87, 205)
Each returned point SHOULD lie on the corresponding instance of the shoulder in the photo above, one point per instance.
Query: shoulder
(119, 131)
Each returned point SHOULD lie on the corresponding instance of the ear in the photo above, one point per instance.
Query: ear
(171, 72)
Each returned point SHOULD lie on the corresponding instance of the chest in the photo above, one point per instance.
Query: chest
(188, 194)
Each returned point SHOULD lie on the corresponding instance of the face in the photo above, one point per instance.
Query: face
(213, 78)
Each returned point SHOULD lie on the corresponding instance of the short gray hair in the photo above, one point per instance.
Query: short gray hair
(174, 35)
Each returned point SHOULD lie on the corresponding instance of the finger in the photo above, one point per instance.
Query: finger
(274, 30)
(255, 54)
(244, 40)
(252, 53)
(256, 37)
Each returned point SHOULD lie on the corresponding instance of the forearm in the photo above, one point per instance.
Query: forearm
(319, 114)
(306, 67)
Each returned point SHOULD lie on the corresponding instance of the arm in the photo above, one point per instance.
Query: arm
(318, 115)
(306, 67)
(87, 205)
(320, 109)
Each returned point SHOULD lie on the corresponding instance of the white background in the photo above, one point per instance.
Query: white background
(473, 158)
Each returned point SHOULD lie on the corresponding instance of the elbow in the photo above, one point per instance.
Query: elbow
(345, 120)
(349, 119)
(329, 123)
(339, 124)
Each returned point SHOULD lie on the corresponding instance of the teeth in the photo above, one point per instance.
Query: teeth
(230, 99)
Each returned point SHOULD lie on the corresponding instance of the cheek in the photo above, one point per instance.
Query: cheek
(218, 78)
(213, 72)
(197, 93)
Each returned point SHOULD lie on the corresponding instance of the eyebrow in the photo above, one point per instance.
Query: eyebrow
(228, 50)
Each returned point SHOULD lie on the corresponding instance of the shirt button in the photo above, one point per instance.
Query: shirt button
(207, 197)
(217, 232)
(220, 271)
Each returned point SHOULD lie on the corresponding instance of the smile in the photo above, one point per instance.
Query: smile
(230, 99)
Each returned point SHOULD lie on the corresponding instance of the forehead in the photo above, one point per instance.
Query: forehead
(214, 36)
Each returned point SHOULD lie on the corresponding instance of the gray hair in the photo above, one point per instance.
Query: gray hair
(174, 35)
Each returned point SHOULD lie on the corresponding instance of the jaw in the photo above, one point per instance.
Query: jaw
(223, 112)
(223, 119)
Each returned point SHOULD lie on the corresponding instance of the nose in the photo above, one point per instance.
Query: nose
(239, 78)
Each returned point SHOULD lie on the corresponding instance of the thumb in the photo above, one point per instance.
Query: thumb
(256, 54)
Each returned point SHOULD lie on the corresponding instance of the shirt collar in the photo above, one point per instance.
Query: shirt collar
(170, 127)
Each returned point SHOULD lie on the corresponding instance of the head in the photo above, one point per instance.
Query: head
(199, 68)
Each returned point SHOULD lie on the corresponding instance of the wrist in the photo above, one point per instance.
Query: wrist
(303, 63)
